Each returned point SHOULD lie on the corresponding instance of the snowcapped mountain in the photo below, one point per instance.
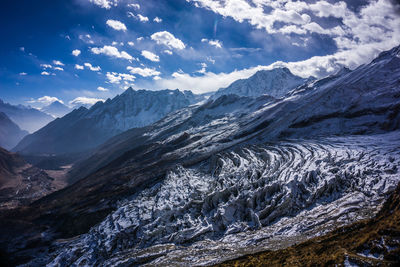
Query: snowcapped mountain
(229, 177)
(27, 118)
(10, 133)
(84, 129)
(276, 83)
(56, 109)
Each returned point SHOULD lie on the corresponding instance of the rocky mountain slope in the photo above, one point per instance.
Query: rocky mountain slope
(233, 176)
(10, 133)
(84, 129)
(56, 109)
(276, 83)
(27, 118)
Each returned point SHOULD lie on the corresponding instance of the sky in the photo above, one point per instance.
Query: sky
(83, 51)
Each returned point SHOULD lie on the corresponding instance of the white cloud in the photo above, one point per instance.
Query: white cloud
(46, 66)
(102, 89)
(138, 17)
(145, 72)
(79, 67)
(83, 100)
(157, 19)
(116, 25)
(131, 43)
(215, 43)
(107, 4)
(116, 78)
(58, 63)
(139, 39)
(143, 18)
(167, 39)
(136, 6)
(111, 51)
(22, 49)
(169, 52)
(92, 68)
(86, 38)
(58, 68)
(156, 78)
(203, 68)
(76, 52)
(372, 28)
(150, 56)
(45, 73)
(47, 100)
(23, 74)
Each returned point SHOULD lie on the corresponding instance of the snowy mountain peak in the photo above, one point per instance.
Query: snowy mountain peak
(276, 83)
(56, 109)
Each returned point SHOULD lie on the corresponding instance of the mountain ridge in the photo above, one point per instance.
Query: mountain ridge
(84, 129)
(27, 118)
(10, 133)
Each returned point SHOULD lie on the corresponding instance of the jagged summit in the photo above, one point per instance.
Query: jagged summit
(276, 83)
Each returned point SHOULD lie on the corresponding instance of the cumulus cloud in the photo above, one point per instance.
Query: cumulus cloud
(23, 73)
(58, 63)
(169, 52)
(111, 51)
(76, 52)
(131, 43)
(145, 72)
(157, 19)
(107, 4)
(116, 78)
(92, 68)
(167, 39)
(136, 6)
(102, 89)
(47, 100)
(138, 17)
(215, 43)
(150, 56)
(46, 66)
(45, 73)
(83, 100)
(87, 38)
(359, 34)
(58, 68)
(79, 67)
(116, 25)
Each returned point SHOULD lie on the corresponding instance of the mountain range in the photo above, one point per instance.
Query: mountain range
(84, 129)
(27, 118)
(207, 182)
(10, 133)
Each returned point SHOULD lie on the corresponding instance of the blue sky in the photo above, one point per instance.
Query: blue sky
(80, 51)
